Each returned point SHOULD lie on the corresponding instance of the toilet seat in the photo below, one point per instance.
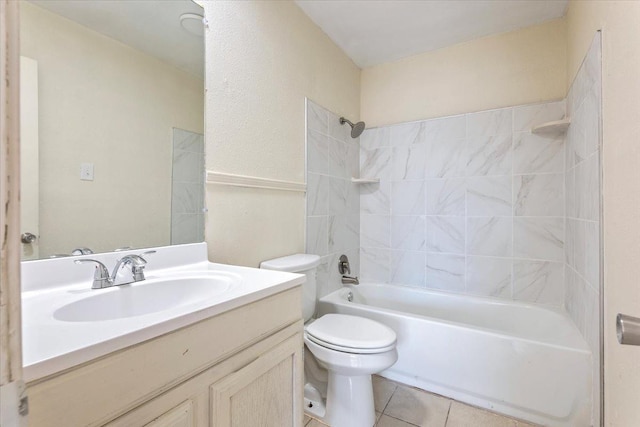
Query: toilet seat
(351, 334)
(349, 349)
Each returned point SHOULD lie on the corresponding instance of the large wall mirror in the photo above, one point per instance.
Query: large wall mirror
(112, 121)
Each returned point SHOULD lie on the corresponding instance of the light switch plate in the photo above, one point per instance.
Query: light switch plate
(86, 171)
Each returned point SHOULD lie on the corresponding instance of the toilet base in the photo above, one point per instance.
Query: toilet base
(348, 390)
(349, 401)
(314, 404)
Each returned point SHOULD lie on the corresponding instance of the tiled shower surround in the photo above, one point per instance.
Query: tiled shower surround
(470, 204)
(582, 250)
(333, 201)
(473, 204)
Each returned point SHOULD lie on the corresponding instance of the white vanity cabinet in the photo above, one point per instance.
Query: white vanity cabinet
(241, 368)
(264, 392)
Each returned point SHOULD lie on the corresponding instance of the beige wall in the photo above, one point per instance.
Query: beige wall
(106, 103)
(619, 22)
(263, 59)
(508, 69)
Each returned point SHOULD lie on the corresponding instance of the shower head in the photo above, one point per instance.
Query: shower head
(356, 129)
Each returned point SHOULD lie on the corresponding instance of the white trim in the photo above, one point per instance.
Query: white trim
(13, 399)
(233, 180)
(10, 306)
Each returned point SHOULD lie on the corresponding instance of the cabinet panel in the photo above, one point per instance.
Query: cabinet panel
(195, 392)
(265, 393)
(180, 416)
(266, 400)
(184, 406)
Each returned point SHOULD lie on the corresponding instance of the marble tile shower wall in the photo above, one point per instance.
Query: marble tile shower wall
(333, 201)
(187, 187)
(471, 204)
(582, 251)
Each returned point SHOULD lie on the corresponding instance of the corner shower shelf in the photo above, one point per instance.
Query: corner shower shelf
(555, 128)
(365, 180)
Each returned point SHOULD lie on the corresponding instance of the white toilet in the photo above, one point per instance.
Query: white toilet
(350, 348)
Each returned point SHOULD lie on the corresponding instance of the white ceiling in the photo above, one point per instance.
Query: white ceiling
(152, 27)
(373, 32)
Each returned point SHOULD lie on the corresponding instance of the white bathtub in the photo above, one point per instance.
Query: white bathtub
(521, 360)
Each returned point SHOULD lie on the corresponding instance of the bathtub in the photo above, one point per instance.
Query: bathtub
(517, 359)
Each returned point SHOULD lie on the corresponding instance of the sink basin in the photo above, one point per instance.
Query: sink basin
(147, 297)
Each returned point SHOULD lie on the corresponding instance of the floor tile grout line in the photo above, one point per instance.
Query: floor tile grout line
(399, 419)
(390, 397)
(446, 420)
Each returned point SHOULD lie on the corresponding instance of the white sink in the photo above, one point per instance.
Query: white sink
(146, 297)
(66, 323)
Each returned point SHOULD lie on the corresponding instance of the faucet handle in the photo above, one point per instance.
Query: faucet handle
(138, 262)
(146, 253)
(135, 261)
(343, 265)
(101, 278)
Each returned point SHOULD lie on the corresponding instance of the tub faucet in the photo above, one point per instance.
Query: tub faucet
(345, 270)
(349, 280)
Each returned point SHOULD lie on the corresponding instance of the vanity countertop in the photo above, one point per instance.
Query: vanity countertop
(53, 342)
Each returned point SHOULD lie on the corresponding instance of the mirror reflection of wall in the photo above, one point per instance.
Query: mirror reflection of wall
(113, 80)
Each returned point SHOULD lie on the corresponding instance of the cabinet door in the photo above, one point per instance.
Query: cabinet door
(265, 393)
(180, 416)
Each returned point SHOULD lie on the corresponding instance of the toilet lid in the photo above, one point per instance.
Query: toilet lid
(343, 330)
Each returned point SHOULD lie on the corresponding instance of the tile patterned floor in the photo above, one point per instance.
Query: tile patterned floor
(398, 405)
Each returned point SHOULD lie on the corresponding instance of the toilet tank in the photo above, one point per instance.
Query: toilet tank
(302, 264)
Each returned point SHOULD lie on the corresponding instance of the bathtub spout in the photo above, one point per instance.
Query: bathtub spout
(348, 280)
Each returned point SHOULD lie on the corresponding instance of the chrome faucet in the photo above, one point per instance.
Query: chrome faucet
(102, 279)
(75, 252)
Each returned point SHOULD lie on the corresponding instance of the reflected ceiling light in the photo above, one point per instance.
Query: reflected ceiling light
(193, 23)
